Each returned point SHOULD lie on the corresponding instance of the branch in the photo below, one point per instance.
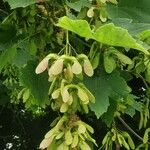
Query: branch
(130, 129)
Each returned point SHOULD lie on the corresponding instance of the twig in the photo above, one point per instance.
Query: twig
(5, 137)
(4, 12)
(141, 77)
(130, 129)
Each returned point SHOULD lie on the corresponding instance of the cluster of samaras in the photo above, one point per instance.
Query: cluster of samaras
(68, 95)
(65, 89)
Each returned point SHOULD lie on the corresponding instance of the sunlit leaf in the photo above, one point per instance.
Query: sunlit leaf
(107, 34)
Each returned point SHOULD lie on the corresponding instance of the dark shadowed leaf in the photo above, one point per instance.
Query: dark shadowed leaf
(7, 56)
(105, 86)
(137, 10)
(37, 84)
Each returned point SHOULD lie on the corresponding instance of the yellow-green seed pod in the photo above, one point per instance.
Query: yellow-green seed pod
(50, 133)
(85, 108)
(42, 66)
(51, 76)
(141, 120)
(84, 146)
(88, 69)
(46, 143)
(88, 127)
(81, 128)
(82, 57)
(66, 147)
(75, 141)
(130, 141)
(103, 1)
(59, 135)
(21, 93)
(68, 73)
(57, 67)
(70, 101)
(90, 12)
(76, 67)
(54, 122)
(119, 139)
(125, 144)
(26, 95)
(61, 147)
(65, 95)
(68, 138)
(90, 95)
(61, 121)
(64, 108)
(90, 138)
(114, 137)
(105, 139)
(83, 96)
(146, 137)
(56, 94)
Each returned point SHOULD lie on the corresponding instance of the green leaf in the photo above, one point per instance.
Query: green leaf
(25, 51)
(7, 33)
(130, 111)
(107, 34)
(21, 58)
(109, 115)
(78, 5)
(137, 10)
(7, 36)
(145, 34)
(4, 98)
(20, 3)
(103, 87)
(133, 105)
(80, 27)
(7, 56)
(37, 84)
(116, 36)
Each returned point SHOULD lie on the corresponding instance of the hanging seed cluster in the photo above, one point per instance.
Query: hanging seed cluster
(68, 95)
(69, 134)
(122, 137)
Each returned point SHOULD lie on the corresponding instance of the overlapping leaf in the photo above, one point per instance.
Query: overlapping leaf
(80, 27)
(78, 5)
(20, 3)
